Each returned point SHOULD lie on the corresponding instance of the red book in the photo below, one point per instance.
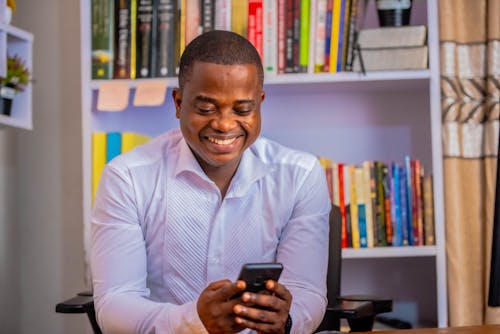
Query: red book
(342, 205)
(255, 25)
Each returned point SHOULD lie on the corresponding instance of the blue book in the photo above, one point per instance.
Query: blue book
(397, 237)
(409, 203)
(403, 206)
(341, 36)
(113, 145)
(363, 239)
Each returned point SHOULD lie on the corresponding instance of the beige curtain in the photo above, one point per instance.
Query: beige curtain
(470, 88)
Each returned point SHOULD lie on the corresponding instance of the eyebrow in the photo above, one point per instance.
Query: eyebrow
(203, 98)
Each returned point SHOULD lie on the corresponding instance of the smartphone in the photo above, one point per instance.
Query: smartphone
(256, 274)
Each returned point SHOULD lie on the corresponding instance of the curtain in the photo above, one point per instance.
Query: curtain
(470, 90)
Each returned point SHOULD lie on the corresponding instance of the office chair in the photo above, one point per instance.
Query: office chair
(358, 310)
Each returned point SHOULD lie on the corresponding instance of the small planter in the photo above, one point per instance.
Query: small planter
(6, 97)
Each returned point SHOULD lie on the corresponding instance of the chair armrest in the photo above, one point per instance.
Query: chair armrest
(347, 309)
(81, 303)
(380, 304)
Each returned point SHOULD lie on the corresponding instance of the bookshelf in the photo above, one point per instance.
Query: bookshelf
(15, 41)
(345, 116)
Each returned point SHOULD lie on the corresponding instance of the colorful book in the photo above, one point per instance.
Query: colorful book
(361, 202)
(270, 37)
(98, 159)
(367, 180)
(102, 39)
(409, 201)
(304, 35)
(207, 16)
(319, 37)
(255, 25)
(334, 42)
(113, 145)
(386, 183)
(193, 26)
(380, 204)
(166, 38)
(397, 237)
(129, 140)
(145, 37)
(239, 17)
(353, 196)
(122, 39)
(428, 211)
(282, 36)
(223, 14)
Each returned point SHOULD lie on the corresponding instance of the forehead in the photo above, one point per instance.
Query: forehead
(223, 78)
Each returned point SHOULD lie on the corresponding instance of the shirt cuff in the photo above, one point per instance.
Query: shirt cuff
(186, 320)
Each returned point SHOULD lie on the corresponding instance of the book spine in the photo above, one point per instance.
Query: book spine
(207, 15)
(328, 35)
(98, 159)
(386, 178)
(133, 38)
(304, 26)
(319, 38)
(334, 43)
(289, 19)
(182, 25)
(341, 35)
(113, 145)
(102, 39)
(193, 27)
(342, 204)
(296, 36)
(144, 37)
(345, 36)
(360, 200)
(409, 201)
(282, 36)
(352, 35)
(223, 14)
(239, 17)
(270, 37)
(122, 47)
(397, 237)
(354, 207)
(380, 204)
(368, 203)
(313, 13)
(429, 211)
(419, 170)
(404, 206)
(165, 38)
(255, 25)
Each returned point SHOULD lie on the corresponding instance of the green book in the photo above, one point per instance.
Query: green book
(102, 39)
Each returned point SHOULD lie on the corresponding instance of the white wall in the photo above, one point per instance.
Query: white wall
(41, 249)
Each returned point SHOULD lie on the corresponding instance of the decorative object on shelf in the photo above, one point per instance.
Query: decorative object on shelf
(10, 7)
(394, 12)
(14, 82)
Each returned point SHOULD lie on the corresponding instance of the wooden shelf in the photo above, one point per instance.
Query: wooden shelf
(388, 252)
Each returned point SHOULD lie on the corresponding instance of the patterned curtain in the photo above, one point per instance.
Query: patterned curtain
(470, 93)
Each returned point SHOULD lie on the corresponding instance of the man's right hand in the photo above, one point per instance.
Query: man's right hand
(215, 307)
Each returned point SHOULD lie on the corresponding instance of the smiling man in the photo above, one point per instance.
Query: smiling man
(175, 219)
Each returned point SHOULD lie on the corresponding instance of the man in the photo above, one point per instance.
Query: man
(175, 219)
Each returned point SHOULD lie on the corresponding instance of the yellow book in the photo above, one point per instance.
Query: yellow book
(182, 27)
(239, 17)
(131, 140)
(133, 38)
(353, 206)
(334, 44)
(98, 159)
(368, 202)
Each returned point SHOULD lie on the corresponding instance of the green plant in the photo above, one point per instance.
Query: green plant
(18, 75)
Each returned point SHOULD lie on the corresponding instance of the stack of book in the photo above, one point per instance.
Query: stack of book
(392, 48)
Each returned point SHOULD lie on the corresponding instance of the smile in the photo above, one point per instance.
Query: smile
(217, 141)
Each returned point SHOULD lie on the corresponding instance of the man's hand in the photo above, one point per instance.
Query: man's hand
(215, 307)
(265, 312)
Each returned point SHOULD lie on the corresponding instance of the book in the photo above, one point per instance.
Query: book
(392, 37)
(207, 16)
(386, 183)
(270, 37)
(239, 17)
(113, 145)
(122, 39)
(397, 236)
(379, 204)
(145, 37)
(255, 25)
(408, 58)
(319, 36)
(361, 202)
(193, 26)
(367, 181)
(102, 24)
(129, 140)
(166, 39)
(282, 36)
(353, 197)
(304, 26)
(289, 36)
(393, 48)
(428, 210)
(223, 14)
(98, 159)
(334, 42)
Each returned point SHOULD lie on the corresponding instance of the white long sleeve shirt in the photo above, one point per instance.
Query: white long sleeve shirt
(161, 233)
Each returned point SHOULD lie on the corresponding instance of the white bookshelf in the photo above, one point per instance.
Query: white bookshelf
(347, 117)
(15, 41)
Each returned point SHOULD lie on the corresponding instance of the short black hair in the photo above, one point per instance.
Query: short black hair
(218, 47)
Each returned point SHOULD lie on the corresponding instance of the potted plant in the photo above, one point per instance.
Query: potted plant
(14, 82)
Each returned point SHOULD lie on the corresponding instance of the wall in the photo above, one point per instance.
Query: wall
(41, 251)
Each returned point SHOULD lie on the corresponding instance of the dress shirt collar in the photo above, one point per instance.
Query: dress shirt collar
(251, 169)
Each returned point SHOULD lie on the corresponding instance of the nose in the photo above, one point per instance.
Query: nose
(224, 121)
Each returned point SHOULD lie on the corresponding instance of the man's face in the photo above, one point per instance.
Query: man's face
(219, 113)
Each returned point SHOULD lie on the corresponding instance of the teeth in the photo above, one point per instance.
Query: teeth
(221, 141)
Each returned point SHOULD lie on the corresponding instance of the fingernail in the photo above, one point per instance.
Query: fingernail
(238, 320)
(270, 285)
(237, 309)
(246, 297)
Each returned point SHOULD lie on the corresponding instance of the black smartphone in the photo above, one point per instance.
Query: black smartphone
(256, 274)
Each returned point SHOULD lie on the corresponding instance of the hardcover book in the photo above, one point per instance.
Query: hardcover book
(102, 39)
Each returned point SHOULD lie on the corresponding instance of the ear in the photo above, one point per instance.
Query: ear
(177, 97)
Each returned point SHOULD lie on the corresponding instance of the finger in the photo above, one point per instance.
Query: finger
(264, 301)
(245, 315)
(279, 290)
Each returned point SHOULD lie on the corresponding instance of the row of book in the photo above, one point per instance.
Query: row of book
(382, 204)
(106, 146)
(144, 38)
